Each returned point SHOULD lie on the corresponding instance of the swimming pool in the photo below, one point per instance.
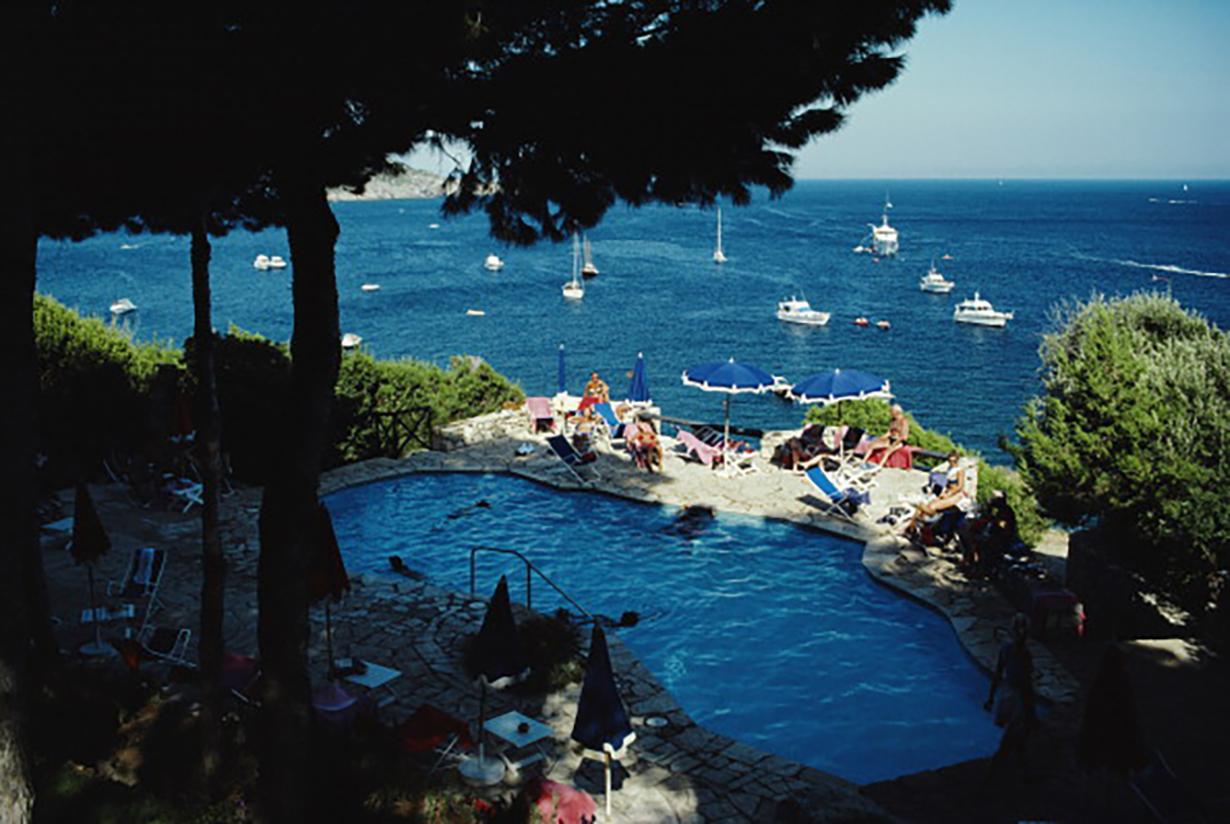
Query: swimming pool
(770, 633)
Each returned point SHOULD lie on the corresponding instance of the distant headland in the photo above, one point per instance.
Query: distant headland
(404, 183)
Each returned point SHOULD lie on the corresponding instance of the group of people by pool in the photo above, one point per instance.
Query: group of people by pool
(638, 433)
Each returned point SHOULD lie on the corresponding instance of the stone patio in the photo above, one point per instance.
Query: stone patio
(678, 772)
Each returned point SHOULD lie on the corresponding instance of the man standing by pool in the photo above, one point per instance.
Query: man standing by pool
(1015, 710)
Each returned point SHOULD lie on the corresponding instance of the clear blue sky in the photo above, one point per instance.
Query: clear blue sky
(1042, 89)
(1050, 89)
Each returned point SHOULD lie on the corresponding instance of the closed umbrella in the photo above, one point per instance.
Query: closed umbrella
(561, 380)
(326, 576)
(89, 543)
(840, 385)
(602, 722)
(730, 378)
(497, 660)
(638, 391)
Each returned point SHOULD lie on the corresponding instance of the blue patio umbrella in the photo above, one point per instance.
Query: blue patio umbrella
(840, 385)
(731, 378)
(638, 392)
(602, 722)
(560, 379)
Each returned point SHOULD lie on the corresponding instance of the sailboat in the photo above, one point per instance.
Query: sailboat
(588, 269)
(573, 290)
(718, 255)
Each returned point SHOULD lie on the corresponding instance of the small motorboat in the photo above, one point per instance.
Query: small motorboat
(493, 263)
(798, 310)
(261, 262)
(370, 287)
(861, 321)
(935, 282)
(475, 313)
(351, 341)
(861, 249)
(123, 306)
(883, 324)
(977, 311)
(277, 262)
(945, 257)
(433, 225)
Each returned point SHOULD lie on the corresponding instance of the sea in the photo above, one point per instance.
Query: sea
(1027, 246)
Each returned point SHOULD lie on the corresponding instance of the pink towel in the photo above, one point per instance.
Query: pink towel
(703, 451)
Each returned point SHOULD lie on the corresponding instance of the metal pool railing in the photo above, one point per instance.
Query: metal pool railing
(530, 571)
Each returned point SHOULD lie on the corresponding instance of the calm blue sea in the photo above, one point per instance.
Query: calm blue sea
(1025, 246)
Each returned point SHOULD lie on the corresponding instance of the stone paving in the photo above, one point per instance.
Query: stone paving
(676, 772)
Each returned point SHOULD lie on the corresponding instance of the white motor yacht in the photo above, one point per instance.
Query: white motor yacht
(123, 306)
(261, 262)
(351, 341)
(797, 310)
(277, 262)
(493, 263)
(370, 287)
(980, 312)
(933, 281)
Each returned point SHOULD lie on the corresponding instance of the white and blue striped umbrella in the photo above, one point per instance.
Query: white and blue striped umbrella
(840, 385)
(729, 377)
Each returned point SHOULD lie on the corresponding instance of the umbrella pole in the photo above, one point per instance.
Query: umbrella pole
(607, 762)
(329, 640)
(482, 708)
(89, 571)
(726, 452)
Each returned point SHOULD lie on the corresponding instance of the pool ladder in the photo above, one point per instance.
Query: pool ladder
(530, 571)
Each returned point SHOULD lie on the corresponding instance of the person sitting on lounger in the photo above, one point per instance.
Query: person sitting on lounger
(896, 437)
(646, 449)
(597, 389)
(952, 495)
(583, 429)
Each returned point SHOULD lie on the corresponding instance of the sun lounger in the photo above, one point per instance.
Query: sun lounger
(610, 424)
(166, 644)
(835, 501)
(141, 582)
(542, 418)
(698, 449)
(1168, 800)
(572, 459)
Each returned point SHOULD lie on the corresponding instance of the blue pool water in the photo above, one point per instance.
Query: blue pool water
(764, 631)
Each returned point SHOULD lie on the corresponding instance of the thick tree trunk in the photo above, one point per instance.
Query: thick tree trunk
(289, 502)
(213, 562)
(18, 530)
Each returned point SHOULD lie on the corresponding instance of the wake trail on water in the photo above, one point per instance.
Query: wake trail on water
(1169, 268)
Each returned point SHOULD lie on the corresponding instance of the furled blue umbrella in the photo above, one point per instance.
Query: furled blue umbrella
(89, 543)
(731, 378)
(602, 722)
(560, 378)
(497, 660)
(840, 385)
(638, 392)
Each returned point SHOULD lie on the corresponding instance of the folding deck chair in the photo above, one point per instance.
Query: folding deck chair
(836, 502)
(611, 425)
(141, 583)
(571, 459)
(165, 644)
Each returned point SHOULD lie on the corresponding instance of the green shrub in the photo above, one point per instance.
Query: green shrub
(1132, 434)
(101, 393)
(94, 387)
(874, 415)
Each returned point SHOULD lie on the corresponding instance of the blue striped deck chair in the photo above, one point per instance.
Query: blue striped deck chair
(611, 424)
(572, 459)
(835, 501)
